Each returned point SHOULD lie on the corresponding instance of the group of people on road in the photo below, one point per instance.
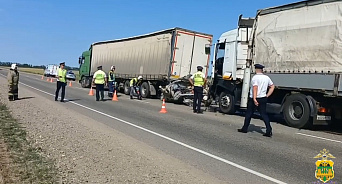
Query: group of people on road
(100, 79)
(261, 88)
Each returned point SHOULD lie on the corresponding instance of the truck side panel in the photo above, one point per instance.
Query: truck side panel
(149, 56)
(190, 53)
(301, 39)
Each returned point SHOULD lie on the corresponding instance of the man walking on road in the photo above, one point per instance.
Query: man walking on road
(198, 80)
(61, 81)
(100, 79)
(13, 81)
(111, 81)
(258, 99)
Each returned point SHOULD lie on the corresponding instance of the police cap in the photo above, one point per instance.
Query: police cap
(63, 63)
(199, 68)
(99, 67)
(258, 66)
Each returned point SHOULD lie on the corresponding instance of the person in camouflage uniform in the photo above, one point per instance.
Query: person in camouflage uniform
(13, 80)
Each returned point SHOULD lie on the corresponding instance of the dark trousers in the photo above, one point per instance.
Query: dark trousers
(99, 91)
(13, 93)
(198, 96)
(59, 86)
(261, 109)
(134, 90)
(111, 87)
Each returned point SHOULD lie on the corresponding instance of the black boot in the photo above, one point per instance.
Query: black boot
(16, 97)
(10, 97)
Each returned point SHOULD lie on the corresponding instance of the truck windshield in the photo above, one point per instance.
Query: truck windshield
(220, 52)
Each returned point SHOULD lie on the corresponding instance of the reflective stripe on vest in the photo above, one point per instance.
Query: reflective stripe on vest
(62, 75)
(99, 77)
(133, 82)
(198, 79)
(111, 76)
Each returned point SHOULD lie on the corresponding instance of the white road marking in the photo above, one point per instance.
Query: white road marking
(172, 140)
(307, 135)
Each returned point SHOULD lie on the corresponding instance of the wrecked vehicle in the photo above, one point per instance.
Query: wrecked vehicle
(180, 91)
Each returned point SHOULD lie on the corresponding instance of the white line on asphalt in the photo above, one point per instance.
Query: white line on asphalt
(319, 137)
(172, 140)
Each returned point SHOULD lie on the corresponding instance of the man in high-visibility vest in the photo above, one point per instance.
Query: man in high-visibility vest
(13, 81)
(134, 83)
(198, 80)
(61, 81)
(100, 80)
(111, 81)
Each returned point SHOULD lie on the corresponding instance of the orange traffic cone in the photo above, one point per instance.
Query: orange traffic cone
(42, 77)
(91, 92)
(47, 79)
(70, 85)
(51, 80)
(163, 109)
(115, 97)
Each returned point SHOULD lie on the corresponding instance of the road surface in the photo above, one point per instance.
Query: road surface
(210, 141)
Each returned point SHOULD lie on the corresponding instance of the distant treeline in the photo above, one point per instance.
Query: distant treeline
(32, 66)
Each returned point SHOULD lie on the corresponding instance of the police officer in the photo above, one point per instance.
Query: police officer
(99, 79)
(111, 81)
(258, 99)
(61, 81)
(13, 80)
(134, 83)
(198, 80)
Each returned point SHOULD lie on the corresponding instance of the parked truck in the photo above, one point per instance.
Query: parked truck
(300, 46)
(158, 57)
(51, 70)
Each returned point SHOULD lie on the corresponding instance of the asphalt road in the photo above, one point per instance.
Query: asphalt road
(208, 141)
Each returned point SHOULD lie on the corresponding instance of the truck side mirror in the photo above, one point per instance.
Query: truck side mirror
(80, 60)
(207, 49)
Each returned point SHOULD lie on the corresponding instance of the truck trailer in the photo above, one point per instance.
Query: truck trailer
(158, 57)
(300, 45)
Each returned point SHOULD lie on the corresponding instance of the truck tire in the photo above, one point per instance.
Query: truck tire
(145, 90)
(227, 103)
(296, 111)
(84, 82)
(127, 88)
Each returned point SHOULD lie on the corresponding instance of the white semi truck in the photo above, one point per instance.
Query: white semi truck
(300, 45)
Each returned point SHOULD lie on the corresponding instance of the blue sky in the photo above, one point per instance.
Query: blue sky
(41, 32)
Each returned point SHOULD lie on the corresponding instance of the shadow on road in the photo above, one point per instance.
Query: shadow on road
(72, 100)
(24, 98)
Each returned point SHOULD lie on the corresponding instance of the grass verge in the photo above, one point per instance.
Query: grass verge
(26, 162)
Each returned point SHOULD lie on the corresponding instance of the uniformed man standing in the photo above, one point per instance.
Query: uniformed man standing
(13, 80)
(258, 99)
(134, 84)
(198, 80)
(111, 81)
(61, 81)
(100, 80)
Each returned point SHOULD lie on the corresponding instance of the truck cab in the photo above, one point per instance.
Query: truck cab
(230, 54)
(84, 69)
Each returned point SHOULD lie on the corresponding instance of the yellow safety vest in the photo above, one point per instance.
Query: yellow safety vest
(99, 77)
(110, 75)
(198, 79)
(133, 82)
(62, 75)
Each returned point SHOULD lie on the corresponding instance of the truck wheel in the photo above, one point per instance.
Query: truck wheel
(227, 103)
(84, 82)
(297, 111)
(145, 90)
(127, 88)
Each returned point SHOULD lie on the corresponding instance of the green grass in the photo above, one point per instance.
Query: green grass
(28, 164)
